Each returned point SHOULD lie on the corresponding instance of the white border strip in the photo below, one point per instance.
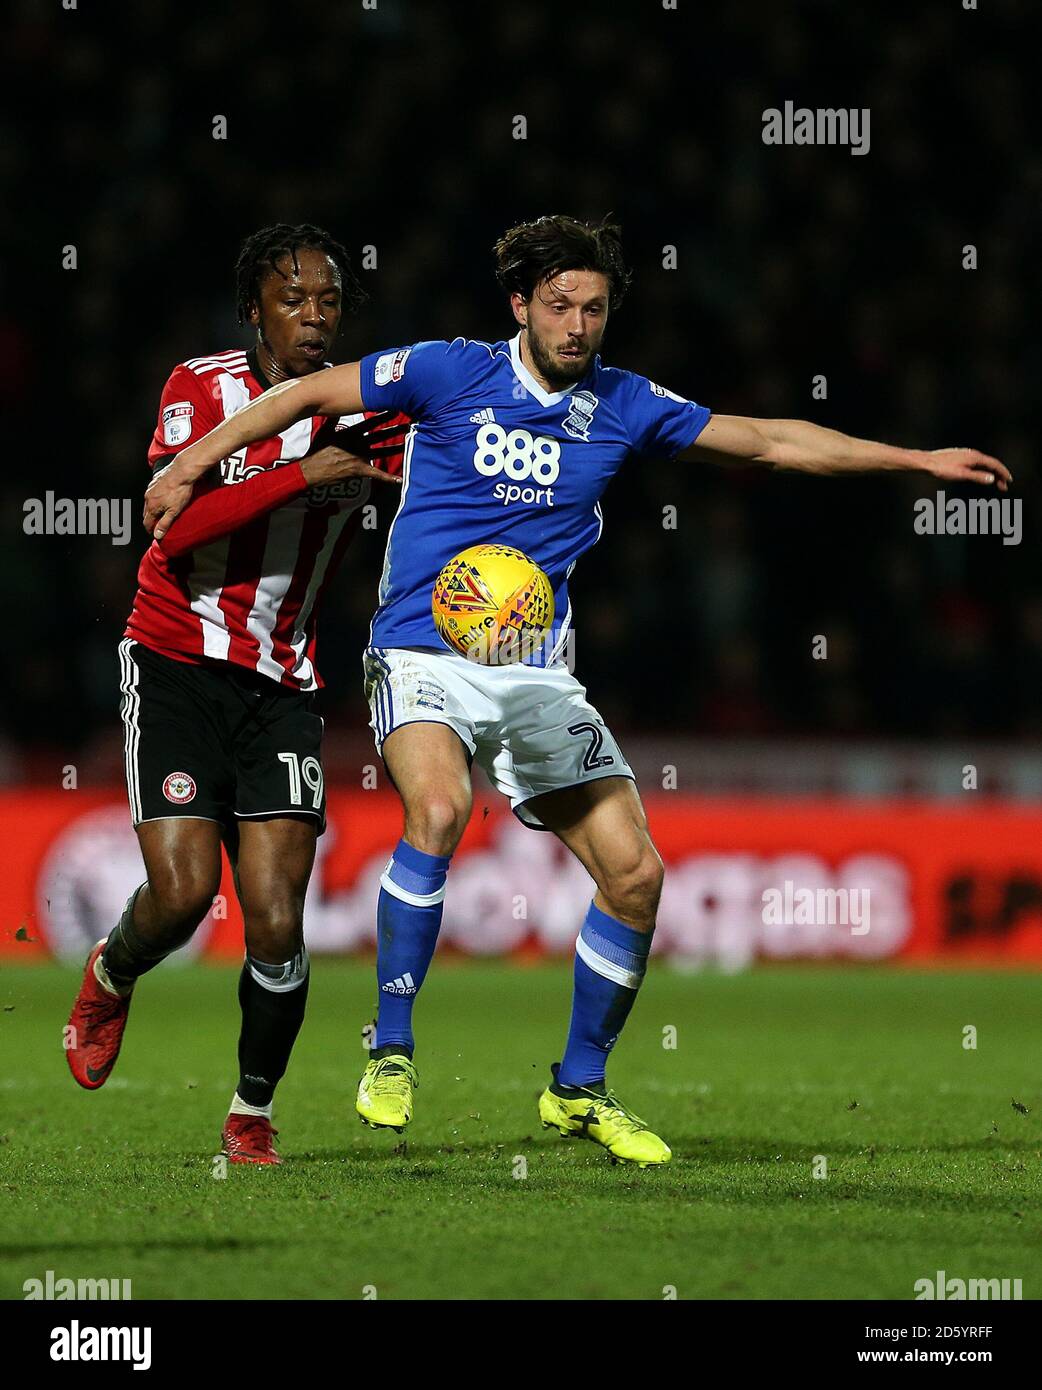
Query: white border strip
(416, 899)
(607, 968)
(130, 711)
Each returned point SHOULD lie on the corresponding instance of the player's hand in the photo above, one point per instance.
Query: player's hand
(380, 435)
(968, 466)
(166, 497)
(332, 465)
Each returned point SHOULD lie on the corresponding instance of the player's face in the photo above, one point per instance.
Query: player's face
(565, 321)
(299, 311)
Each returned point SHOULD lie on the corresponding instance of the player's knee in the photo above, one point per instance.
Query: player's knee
(181, 894)
(634, 889)
(274, 932)
(436, 822)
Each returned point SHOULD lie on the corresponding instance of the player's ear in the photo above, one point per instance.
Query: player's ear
(520, 308)
(253, 315)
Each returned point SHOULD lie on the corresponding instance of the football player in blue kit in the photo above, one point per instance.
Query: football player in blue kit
(514, 443)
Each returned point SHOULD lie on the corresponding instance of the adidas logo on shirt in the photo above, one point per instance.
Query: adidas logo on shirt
(403, 984)
(483, 417)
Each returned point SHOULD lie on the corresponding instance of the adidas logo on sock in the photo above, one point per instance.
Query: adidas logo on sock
(483, 417)
(403, 984)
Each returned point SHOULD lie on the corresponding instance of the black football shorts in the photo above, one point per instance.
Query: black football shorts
(216, 742)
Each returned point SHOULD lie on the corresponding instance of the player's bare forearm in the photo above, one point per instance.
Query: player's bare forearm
(803, 447)
(333, 392)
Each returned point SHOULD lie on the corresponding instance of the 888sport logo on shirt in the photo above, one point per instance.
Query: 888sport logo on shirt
(528, 464)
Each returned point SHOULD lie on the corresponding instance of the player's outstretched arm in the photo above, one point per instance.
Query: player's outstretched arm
(799, 446)
(333, 392)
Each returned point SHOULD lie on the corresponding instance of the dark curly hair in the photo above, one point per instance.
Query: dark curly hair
(534, 252)
(261, 251)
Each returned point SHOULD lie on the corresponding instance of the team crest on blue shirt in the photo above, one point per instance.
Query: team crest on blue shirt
(580, 414)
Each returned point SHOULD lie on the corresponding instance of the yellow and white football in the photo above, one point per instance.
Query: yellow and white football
(493, 604)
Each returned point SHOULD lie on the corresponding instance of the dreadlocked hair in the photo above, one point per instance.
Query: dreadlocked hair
(261, 252)
(535, 252)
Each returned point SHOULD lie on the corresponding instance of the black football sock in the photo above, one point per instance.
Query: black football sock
(126, 956)
(272, 999)
(599, 1088)
(390, 1050)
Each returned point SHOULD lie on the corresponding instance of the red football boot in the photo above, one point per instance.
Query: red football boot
(249, 1139)
(95, 1028)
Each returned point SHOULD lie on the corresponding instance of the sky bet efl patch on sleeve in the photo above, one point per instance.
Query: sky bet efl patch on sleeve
(390, 367)
(177, 422)
(661, 391)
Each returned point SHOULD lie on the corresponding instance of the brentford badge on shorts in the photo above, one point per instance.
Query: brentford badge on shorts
(179, 788)
(177, 422)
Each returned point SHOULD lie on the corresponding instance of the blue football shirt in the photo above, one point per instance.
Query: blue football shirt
(494, 458)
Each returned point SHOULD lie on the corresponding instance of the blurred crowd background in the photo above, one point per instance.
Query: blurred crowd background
(393, 127)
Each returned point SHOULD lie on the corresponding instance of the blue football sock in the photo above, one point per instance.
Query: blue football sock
(610, 960)
(408, 919)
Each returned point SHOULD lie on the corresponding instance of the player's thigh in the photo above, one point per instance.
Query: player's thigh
(277, 758)
(182, 857)
(176, 752)
(550, 739)
(604, 824)
(430, 766)
(425, 710)
(274, 863)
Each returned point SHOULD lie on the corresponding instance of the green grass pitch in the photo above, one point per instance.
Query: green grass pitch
(930, 1164)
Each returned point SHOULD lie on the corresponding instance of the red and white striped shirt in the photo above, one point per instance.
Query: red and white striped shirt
(239, 575)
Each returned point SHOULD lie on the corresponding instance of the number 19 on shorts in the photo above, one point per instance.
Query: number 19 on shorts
(303, 773)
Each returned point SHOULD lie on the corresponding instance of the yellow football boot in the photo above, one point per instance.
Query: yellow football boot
(385, 1092)
(605, 1120)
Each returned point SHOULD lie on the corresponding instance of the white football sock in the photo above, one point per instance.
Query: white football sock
(102, 977)
(240, 1107)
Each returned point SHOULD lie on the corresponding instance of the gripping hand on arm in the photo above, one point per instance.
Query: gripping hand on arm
(223, 510)
(332, 392)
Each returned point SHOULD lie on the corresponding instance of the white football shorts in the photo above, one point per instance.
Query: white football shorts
(530, 728)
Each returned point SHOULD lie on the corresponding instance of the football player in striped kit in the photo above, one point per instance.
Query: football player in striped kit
(218, 672)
